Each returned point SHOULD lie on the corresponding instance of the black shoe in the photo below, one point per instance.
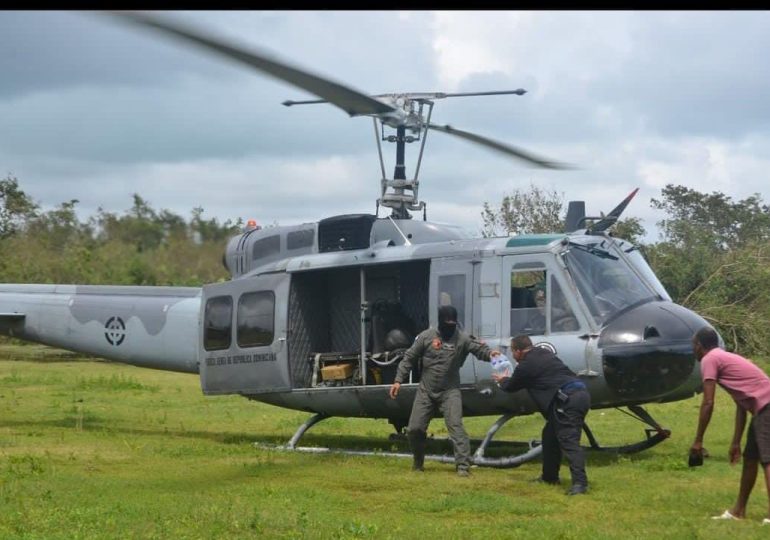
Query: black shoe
(578, 489)
(541, 480)
(418, 468)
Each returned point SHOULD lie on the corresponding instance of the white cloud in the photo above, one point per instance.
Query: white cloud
(705, 164)
(464, 43)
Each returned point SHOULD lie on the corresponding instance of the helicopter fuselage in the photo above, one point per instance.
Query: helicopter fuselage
(316, 316)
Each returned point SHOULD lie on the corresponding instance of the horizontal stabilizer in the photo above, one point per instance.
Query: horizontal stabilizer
(12, 317)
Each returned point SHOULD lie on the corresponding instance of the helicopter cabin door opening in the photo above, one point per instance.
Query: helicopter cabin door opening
(243, 339)
(325, 322)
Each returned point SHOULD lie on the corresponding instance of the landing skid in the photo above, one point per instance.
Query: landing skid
(654, 435)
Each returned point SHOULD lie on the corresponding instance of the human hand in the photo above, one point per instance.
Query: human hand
(394, 390)
(495, 353)
(734, 453)
(497, 377)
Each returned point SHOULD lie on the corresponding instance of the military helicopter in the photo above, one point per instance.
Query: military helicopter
(317, 316)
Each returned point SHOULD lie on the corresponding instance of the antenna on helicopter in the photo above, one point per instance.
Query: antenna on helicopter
(404, 112)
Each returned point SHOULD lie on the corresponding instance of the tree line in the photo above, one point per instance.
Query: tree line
(713, 254)
(141, 246)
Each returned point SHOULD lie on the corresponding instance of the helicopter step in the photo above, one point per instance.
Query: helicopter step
(533, 449)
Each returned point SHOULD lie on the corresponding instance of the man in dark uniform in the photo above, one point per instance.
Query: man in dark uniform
(443, 352)
(563, 400)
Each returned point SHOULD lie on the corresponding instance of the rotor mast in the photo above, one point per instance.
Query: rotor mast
(407, 115)
(404, 195)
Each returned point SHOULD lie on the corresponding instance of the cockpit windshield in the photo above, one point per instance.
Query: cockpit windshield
(635, 257)
(605, 280)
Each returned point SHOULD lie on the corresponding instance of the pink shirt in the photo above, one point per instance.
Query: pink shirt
(745, 382)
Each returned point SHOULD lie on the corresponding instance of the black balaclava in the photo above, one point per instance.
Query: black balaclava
(447, 322)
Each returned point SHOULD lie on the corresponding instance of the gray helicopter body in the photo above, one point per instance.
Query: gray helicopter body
(306, 303)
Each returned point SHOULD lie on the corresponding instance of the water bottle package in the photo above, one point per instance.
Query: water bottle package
(502, 366)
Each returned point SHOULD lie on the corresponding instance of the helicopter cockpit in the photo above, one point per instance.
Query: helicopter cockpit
(606, 280)
(644, 337)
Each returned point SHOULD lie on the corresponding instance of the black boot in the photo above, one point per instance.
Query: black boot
(578, 489)
(417, 444)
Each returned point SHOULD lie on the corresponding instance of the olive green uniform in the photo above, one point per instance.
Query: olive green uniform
(439, 388)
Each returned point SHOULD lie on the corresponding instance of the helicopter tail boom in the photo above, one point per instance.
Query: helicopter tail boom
(154, 327)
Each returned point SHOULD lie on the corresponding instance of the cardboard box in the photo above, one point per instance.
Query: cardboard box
(336, 372)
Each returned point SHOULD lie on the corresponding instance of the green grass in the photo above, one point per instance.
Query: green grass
(90, 449)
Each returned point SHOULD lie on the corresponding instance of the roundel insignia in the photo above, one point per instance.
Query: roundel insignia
(547, 346)
(115, 331)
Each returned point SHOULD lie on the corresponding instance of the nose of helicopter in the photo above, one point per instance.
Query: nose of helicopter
(647, 352)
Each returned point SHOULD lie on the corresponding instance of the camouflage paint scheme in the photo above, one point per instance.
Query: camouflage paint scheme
(153, 327)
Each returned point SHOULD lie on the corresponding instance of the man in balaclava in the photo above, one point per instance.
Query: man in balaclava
(443, 351)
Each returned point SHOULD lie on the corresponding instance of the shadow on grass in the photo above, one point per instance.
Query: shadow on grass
(94, 424)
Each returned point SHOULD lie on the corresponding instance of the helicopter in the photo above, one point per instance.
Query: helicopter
(317, 316)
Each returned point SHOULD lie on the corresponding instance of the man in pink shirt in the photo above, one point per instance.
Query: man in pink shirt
(749, 387)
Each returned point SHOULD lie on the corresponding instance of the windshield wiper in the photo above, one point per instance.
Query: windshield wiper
(604, 254)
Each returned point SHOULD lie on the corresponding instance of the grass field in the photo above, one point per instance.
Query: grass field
(90, 449)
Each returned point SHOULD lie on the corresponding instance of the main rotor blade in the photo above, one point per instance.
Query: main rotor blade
(502, 147)
(612, 218)
(442, 95)
(290, 102)
(518, 92)
(417, 96)
(349, 100)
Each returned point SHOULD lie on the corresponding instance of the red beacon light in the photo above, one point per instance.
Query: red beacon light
(252, 225)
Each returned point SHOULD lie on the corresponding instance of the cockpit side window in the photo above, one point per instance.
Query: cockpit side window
(538, 303)
(528, 302)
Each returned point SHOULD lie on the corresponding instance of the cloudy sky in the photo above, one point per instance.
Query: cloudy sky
(95, 111)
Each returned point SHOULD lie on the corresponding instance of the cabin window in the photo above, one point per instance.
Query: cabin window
(300, 239)
(451, 291)
(256, 319)
(265, 247)
(218, 321)
(536, 308)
